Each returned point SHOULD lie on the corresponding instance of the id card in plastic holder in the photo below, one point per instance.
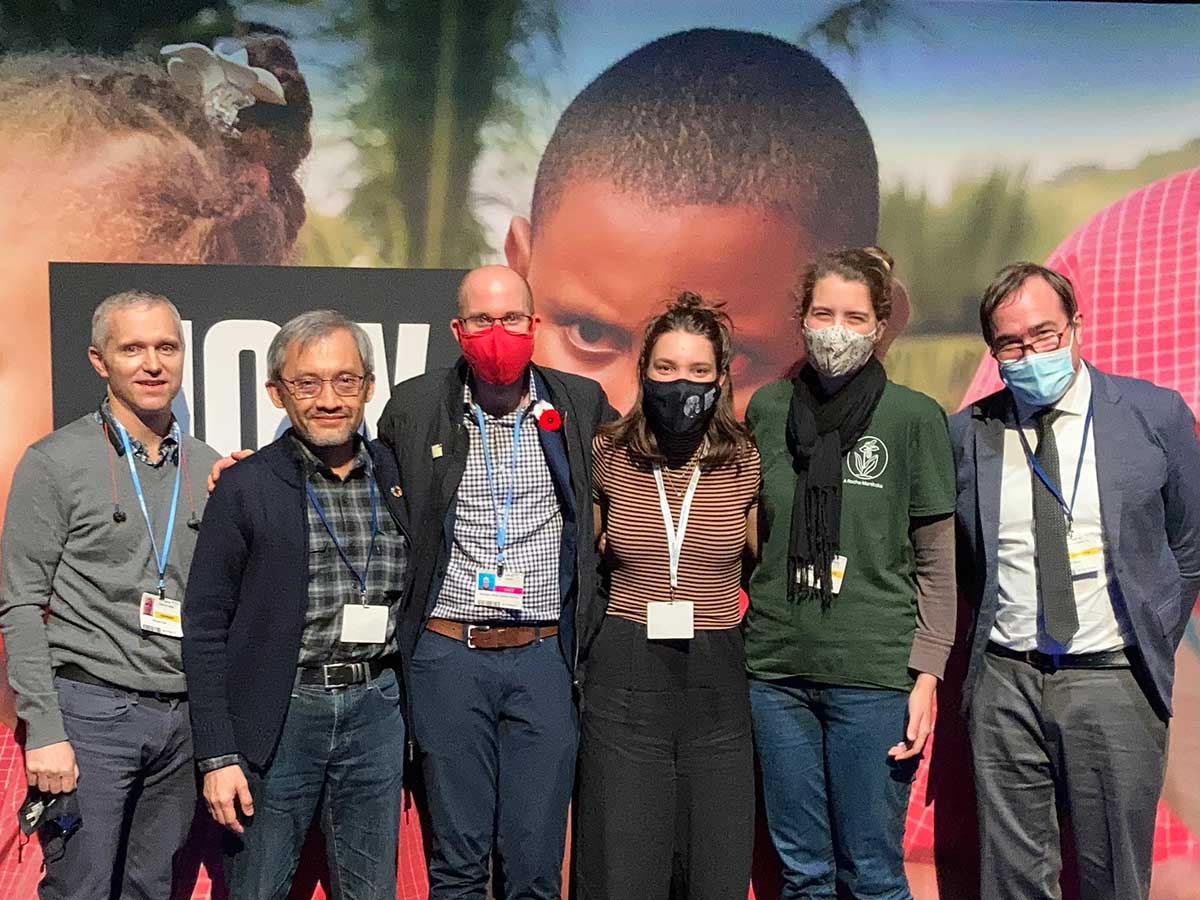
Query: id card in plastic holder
(1086, 555)
(505, 591)
(837, 570)
(161, 615)
(363, 624)
(672, 620)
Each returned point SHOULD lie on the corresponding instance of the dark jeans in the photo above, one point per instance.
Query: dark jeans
(1085, 743)
(666, 767)
(137, 794)
(341, 749)
(497, 733)
(835, 802)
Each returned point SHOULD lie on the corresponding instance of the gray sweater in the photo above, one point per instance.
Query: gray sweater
(61, 549)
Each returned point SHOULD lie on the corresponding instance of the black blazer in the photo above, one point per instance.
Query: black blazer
(423, 424)
(243, 615)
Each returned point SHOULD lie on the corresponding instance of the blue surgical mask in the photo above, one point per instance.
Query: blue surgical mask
(1040, 379)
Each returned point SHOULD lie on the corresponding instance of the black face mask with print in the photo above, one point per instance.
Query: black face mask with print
(678, 413)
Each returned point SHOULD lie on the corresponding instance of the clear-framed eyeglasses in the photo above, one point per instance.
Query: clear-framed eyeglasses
(306, 387)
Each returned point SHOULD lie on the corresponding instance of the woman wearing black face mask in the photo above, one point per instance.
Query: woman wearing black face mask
(666, 777)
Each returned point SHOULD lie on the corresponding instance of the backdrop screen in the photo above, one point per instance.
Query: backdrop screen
(615, 154)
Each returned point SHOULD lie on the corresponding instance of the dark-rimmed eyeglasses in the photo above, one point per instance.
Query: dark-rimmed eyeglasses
(516, 323)
(1043, 343)
(308, 386)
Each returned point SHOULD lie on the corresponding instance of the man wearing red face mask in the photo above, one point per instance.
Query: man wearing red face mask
(495, 456)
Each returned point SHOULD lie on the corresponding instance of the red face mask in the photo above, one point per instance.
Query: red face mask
(497, 355)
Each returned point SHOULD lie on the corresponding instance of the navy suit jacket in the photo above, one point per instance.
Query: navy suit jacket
(243, 616)
(1148, 471)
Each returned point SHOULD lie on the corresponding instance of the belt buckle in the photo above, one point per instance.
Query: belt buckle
(325, 670)
(355, 674)
(471, 629)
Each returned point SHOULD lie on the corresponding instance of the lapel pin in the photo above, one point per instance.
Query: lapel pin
(396, 491)
(436, 451)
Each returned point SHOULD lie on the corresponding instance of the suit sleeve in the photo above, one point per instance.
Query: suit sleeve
(214, 584)
(1181, 501)
(36, 527)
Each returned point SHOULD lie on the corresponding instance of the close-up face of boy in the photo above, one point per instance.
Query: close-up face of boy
(710, 160)
(605, 261)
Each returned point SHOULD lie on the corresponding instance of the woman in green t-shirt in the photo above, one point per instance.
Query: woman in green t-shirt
(852, 603)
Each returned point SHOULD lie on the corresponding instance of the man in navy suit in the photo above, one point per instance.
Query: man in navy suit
(496, 455)
(1079, 525)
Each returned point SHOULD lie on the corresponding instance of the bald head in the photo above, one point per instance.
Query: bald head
(493, 287)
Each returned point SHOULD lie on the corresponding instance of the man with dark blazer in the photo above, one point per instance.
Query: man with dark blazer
(496, 456)
(290, 630)
(1079, 524)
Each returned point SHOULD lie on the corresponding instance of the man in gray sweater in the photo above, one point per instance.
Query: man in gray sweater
(100, 527)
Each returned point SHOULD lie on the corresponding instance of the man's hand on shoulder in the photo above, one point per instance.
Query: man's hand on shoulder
(226, 789)
(224, 463)
(52, 769)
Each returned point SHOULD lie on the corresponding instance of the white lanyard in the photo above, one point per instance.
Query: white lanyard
(674, 535)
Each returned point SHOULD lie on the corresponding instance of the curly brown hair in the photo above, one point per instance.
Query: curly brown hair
(726, 437)
(210, 196)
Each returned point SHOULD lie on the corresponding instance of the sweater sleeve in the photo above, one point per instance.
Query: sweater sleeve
(937, 603)
(35, 530)
(213, 588)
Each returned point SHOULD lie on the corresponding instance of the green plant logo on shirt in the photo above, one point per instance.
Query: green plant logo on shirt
(868, 459)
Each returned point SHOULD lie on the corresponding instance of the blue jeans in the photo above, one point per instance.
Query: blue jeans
(835, 802)
(497, 732)
(341, 749)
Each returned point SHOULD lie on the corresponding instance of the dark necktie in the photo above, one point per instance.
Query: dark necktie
(1055, 590)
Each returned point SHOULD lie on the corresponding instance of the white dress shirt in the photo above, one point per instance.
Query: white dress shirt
(1103, 622)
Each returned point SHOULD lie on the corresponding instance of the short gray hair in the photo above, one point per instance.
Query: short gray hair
(312, 326)
(102, 317)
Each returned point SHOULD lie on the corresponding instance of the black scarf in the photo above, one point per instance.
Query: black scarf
(820, 431)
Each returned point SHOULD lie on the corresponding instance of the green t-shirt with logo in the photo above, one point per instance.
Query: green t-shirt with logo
(900, 468)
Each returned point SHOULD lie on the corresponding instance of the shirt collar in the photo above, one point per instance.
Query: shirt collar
(1073, 403)
(167, 448)
(313, 464)
(469, 400)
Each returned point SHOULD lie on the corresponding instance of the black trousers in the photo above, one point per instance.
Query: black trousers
(1083, 743)
(666, 770)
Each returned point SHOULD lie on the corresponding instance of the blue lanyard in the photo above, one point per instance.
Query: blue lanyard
(360, 578)
(1045, 479)
(502, 517)
(160, 559)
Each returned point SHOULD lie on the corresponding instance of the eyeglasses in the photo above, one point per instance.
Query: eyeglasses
(308, 386)
(515, 323)
(1044, 343)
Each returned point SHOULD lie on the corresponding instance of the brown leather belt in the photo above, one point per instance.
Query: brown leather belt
(491, 637)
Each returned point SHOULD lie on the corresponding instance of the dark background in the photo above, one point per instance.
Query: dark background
(208, 294)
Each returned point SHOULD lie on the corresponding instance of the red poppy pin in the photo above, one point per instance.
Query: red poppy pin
(548, 418)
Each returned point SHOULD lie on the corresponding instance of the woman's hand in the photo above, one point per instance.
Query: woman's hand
(920, 718)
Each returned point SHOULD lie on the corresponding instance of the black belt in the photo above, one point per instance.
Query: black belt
(334, 675)
(72, 672)
(1049, 662)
